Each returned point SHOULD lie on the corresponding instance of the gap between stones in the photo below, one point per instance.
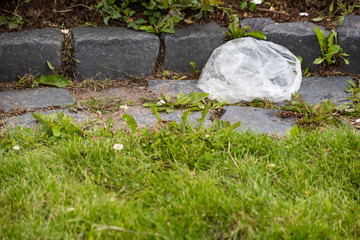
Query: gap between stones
(159, 63)
(68, 67)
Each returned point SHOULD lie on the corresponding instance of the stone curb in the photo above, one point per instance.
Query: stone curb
(119, 52)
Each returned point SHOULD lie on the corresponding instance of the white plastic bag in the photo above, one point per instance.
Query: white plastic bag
(245, 69)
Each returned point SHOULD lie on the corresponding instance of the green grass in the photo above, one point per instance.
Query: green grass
(179, 183)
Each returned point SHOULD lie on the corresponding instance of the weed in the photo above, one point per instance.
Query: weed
(235, 31)
(158, 16)
(58, 125)
(28, 80)
(353, 109)
(100, 105)
(196, 71)
(329, 49)
(12, 23)
(192, 101)
(326, 112)
(306, 71)
(260, 103)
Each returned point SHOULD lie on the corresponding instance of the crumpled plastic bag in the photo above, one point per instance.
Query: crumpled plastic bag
(245, 69)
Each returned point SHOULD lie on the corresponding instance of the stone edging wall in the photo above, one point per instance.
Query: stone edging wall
(109, 52)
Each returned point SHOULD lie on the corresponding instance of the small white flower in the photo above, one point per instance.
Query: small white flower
(124, 107)
(207, 136)
(118, 146)
(16, 147)
(161, 102)
(303, 14)
(256, 1)
(70, 209)
(357, 120)
(201, 107)
(64, 31)
(271, 165)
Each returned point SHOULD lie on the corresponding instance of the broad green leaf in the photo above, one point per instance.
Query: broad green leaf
(140, 21)
(318, 60)
(12, 25)
(243, 5)
(229, 129)
(131, 24)
(331, 8)
(257, 34)
(53, 80)
(152, 20)
(155, 112)
(197, 97)
(300, 59)
(167, 98)
(185, 119)
(331, 40)
(252, 7)
(106, 20)
(321, 39)
(2, 19)
(115, 15)
(148, 29)
(346, 61)
(56, 130)
(167, 30)
(294, 131)
(50, 66)
(130, 121)
(176, 18)
(318, 19)
(333, 49)
(169, 110)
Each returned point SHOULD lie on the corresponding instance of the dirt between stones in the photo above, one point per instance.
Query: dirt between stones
(133, 92)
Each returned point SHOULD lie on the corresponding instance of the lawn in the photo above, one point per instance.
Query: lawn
(178, 182)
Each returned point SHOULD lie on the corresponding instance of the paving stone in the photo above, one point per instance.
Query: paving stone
(258, 120)
(35, 98)
(144, 116)
(22, 50)
(298, 37)
(173, 87)
(349, 40)
(114, 52)
(27, 120)
(194, 43)
(316, 89)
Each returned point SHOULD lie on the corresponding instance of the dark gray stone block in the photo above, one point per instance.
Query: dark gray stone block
(173, 87)
(27, 120)
(114, 52)
(20, 51)
(144, 116)
(258, 120)
(316, 89)
(349, 40)
(195, 43)
(35, 98)
(256, 24)
(299, 38)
